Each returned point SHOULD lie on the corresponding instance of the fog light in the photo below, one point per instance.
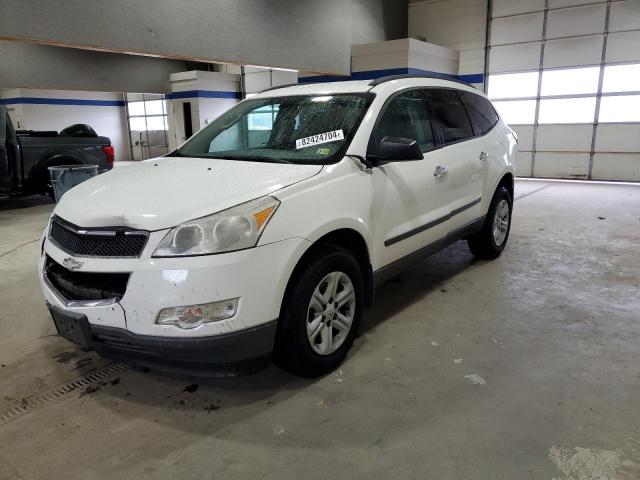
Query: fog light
(192, 316)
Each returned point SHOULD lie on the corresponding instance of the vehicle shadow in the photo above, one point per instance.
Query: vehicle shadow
(188, 403)
(15, 203)
(415, 284)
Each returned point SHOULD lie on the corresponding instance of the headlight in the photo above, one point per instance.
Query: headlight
(236, 228)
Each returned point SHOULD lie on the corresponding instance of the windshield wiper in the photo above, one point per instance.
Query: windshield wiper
(175, 153)
(254, 158)
(251, 158)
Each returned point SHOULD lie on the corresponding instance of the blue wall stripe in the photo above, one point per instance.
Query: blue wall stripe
(60, 101)
(113, 103)
(204, 94)
(373, 74)
(365, 75)
(472, 78)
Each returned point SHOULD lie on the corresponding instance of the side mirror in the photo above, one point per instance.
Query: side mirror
(396, 149)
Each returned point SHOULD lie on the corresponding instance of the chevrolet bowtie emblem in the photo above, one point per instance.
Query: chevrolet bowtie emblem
(72, 263)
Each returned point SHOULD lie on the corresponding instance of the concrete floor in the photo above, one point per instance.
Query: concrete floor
(527, 367)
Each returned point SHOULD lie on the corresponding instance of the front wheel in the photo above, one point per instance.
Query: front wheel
(489, 242)
(320, 313)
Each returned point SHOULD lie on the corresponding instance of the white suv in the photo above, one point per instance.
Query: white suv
(266, 233)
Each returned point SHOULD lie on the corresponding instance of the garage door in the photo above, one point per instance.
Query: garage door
(565, 74)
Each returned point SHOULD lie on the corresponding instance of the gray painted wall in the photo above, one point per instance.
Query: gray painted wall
(312, 35)
(41, 66)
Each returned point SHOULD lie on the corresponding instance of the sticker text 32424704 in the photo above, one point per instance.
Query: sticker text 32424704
(319, 138)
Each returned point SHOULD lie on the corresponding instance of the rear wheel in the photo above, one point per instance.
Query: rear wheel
(48, 190)
(320, 313)
(491, 240)
(41, 182)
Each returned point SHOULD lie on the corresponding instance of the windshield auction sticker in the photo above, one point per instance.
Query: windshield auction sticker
(318, 139)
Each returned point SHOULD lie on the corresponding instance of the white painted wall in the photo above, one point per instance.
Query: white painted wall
(15, 110)
(203, 109)
(404, 53)
(211, 108)
(257, 79)
(108, 121)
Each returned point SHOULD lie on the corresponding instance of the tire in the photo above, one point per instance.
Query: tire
(489, 243)
(297, 349)
(39, 184)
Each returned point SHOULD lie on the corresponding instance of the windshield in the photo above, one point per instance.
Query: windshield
(307, 129)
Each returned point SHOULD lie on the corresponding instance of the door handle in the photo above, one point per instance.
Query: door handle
(483, 156)
(440, 171)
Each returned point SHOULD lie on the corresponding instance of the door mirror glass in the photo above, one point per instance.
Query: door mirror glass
(397, 149)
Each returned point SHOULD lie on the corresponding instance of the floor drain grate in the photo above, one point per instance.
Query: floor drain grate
(38, 401)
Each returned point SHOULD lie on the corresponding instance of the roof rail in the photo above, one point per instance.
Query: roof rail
(281, 86)
(439, 76)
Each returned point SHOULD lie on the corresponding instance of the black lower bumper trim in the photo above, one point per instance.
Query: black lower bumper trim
(239, 352)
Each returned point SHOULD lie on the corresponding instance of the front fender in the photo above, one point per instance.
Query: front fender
(338, 198)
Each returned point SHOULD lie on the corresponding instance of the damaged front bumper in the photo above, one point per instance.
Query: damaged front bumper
(232, 353)
(116, 303)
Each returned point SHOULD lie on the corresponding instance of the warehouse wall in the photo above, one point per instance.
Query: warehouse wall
(32, 109)
(302, 34)
(41, 66)
(257, 79)
(457, 24)
(209, 95)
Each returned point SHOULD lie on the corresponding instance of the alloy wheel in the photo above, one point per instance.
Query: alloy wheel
(501, 222)
(330, 313)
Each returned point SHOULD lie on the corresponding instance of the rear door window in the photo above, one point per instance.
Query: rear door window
(449, 115)
(482, 114)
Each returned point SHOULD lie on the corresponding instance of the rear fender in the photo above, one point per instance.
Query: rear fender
(37, 179)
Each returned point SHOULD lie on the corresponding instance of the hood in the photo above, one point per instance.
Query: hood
(163, 192)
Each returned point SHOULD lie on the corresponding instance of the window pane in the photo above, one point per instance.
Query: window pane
(406, 116)
(621, 78)
(517, 112)
(306, 129)
(450, 115)
(157, 123)
(137, 124)
(624, 108)
(262, 118)
(483, 116)
(567, 110)
(135, 108)
(154, 107)
(260, 121)
(513, 85)
(570, 81)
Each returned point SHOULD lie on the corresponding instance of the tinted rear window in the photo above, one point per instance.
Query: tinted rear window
(450, 115)
(483, 116)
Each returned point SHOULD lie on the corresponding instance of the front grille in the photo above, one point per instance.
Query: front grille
(85, 285)
(97, 242)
